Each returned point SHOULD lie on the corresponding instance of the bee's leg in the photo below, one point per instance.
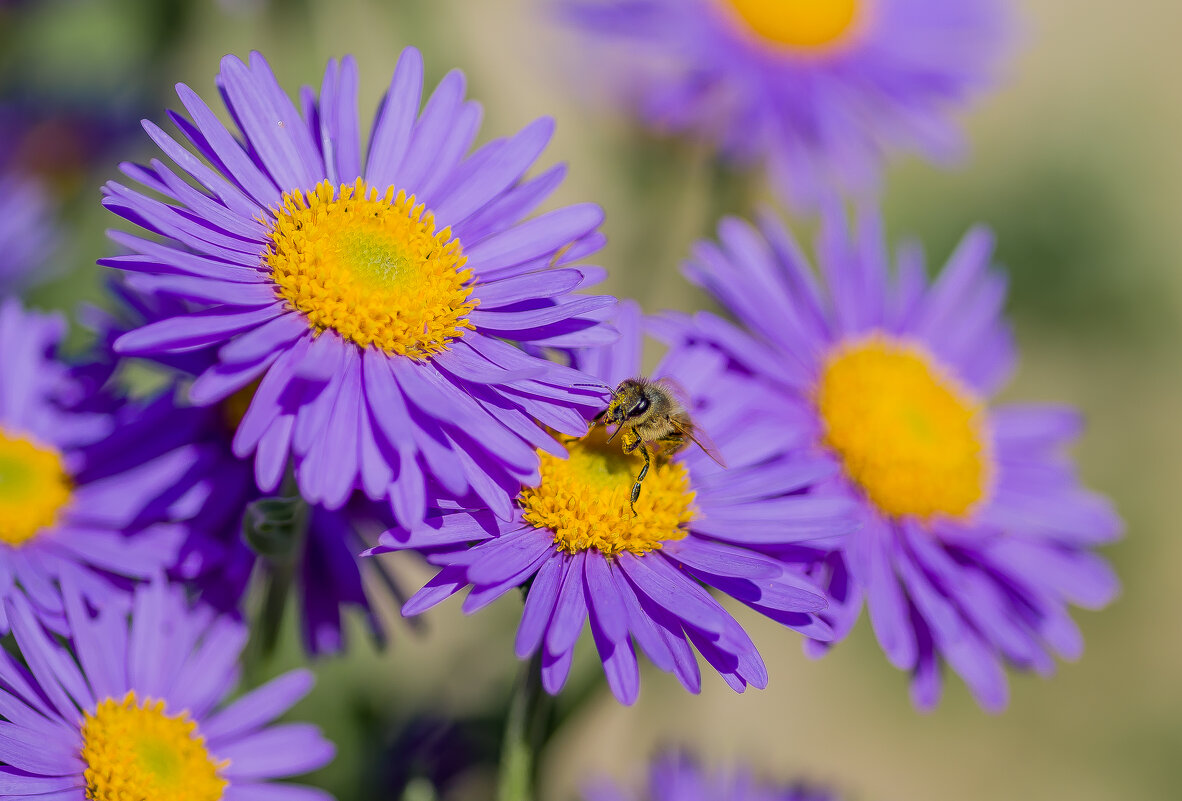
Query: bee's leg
(629, 440)
(639, 478)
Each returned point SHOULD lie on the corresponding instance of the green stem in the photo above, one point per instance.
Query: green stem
(278, 537)
(524, 729)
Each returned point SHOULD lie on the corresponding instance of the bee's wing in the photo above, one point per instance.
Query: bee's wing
(679, 393)
(699, 438)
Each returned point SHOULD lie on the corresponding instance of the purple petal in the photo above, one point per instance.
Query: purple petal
(258, 707)
(286, 750)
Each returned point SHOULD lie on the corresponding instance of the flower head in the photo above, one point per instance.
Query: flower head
(213, 496)
(26, 232)
(584, 556)
(79, 492)
(819, 91)
(975, 533)
(138, 709)
(371, 293)
(676, 776)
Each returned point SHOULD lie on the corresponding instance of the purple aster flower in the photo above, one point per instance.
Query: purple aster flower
(585, 556)
(212, 496)
(78, 490)
(26, 232)
(819, 92)
(138, 710)
(676, 776)
(976, 533)
(372, 294)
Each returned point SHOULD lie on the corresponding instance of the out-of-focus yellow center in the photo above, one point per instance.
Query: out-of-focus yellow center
(234, 408)
(133, 750)
(34, 486)
(583, 499)
(802, 24)
(909, 436)
(373, 269)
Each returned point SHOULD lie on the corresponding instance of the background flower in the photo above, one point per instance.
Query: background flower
(78, 490)
(350, 292)
(820, 93)
(975, 533)
(139, 709)
(676, 776)
(217, 499)
(26, 233)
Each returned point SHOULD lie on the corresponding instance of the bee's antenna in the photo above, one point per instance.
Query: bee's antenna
(597, 386)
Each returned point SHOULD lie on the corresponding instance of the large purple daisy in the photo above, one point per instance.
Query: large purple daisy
(819, 91)
(676, 776)
(138, 710)
(575, 542)
(976, 533)
(373, 294)
(78, 491)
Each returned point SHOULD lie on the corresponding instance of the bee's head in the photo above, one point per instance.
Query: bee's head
(631, 400)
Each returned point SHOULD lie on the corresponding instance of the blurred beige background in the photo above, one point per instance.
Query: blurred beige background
(1076, 160)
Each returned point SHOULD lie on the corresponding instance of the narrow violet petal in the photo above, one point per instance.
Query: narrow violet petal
(539, 605)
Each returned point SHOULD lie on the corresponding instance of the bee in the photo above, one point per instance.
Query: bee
(652, 416)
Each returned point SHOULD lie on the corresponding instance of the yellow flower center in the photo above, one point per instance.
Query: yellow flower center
(583, 499)
(133, 750)
(909, 435)
(34, 486)
(372, 269)
(803, 24)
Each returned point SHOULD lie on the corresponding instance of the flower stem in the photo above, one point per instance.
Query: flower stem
(525, 727)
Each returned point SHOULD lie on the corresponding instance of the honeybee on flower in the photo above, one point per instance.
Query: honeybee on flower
(653, 417)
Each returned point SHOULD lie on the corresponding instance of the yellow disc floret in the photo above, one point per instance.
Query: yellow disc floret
(801, 24)
(373, 269)
(583, 499)
(134, 750)
(34, 486)
(910, 436)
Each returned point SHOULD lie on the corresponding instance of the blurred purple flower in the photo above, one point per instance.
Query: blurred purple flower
(213, 494)
(27, 233)
(372, 303)
(675, 776)
(975, 533)
(138, 709)
(819, 92)
(78, 491)
(60, 138)
(576, 544)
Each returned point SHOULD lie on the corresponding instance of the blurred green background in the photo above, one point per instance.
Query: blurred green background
(1075, 161)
